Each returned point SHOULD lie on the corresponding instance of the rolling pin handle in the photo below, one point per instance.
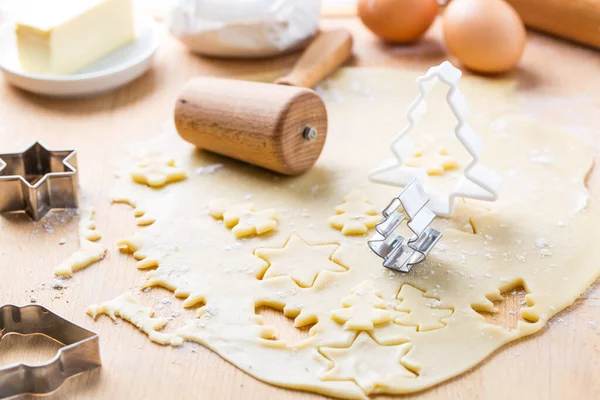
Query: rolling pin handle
(322, 57)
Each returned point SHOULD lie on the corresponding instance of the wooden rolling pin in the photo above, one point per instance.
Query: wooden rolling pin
(578, 20)
(281, 127)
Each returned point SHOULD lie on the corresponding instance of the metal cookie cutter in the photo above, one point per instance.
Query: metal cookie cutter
(37, 180)
(478, 181)
(389, 245)
(81, 351)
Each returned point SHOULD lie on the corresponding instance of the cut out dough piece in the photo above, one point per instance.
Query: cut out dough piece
(367, 363)
(242, 219)
(89, 252)
(423, 312)
(128, 308)
(356, 216)
(156, 170)
(300, 261)
(363, 309)
(431, 157)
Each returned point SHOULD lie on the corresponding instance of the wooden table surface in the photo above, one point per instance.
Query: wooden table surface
(560, 80)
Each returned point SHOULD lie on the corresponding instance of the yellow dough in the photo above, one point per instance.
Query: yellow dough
(432, 157)
(372, 330)
(89, 252)
(129, 309)
(242, 219)
(363, 309)
(356, 216)
(156, 170)
(142, 217)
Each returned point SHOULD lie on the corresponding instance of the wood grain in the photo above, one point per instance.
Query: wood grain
(323, 56)
(259, 123)
(559, 82)
(577, 20)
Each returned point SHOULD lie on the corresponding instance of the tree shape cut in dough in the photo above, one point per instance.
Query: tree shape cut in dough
(156, 170)
(363, 309)
(89, 252)
(431, 157)
(242, 219)
(356, 216)
(370, 365)
(300, 261)
(423, 312)
(129, 309)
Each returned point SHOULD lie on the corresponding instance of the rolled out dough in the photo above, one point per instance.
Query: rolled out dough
(373, 330)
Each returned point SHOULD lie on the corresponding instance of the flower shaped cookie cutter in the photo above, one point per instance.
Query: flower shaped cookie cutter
(478, 182)
(81, 351)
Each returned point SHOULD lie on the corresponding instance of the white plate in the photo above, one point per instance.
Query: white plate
(114, 70)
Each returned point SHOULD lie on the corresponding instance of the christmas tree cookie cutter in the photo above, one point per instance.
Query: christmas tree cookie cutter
(478, 182)
(81, 351)
(389, 244)
(37, 180)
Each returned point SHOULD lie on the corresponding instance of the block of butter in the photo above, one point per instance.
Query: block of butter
(60, 37)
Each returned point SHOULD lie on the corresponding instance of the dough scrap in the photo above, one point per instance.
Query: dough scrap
(156, 170)
(356, 216)
(89, 252)
(525, 238)
(142, 217)
(363, 309)
(364, 362)
(242, 219)
(300, 261)
(139, 244)
(128, 308)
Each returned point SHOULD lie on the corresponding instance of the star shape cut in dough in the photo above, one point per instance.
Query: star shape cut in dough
(242, 219)
(477, 182)
(423, 312)
(356, 215)
(363, 309)
(156, 170)
(300, 261)
(367, 363)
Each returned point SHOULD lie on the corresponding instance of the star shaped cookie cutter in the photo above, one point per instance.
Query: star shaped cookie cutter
(478, 182)
(81, 351)
(389, 244)
(37, 180)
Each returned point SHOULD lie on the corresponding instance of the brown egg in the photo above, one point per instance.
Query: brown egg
(486, 36)
(398, 20)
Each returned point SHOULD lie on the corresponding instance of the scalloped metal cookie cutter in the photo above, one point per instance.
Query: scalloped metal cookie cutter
(81, 351)
(389, 245)
(37, 180)
(478, 181)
